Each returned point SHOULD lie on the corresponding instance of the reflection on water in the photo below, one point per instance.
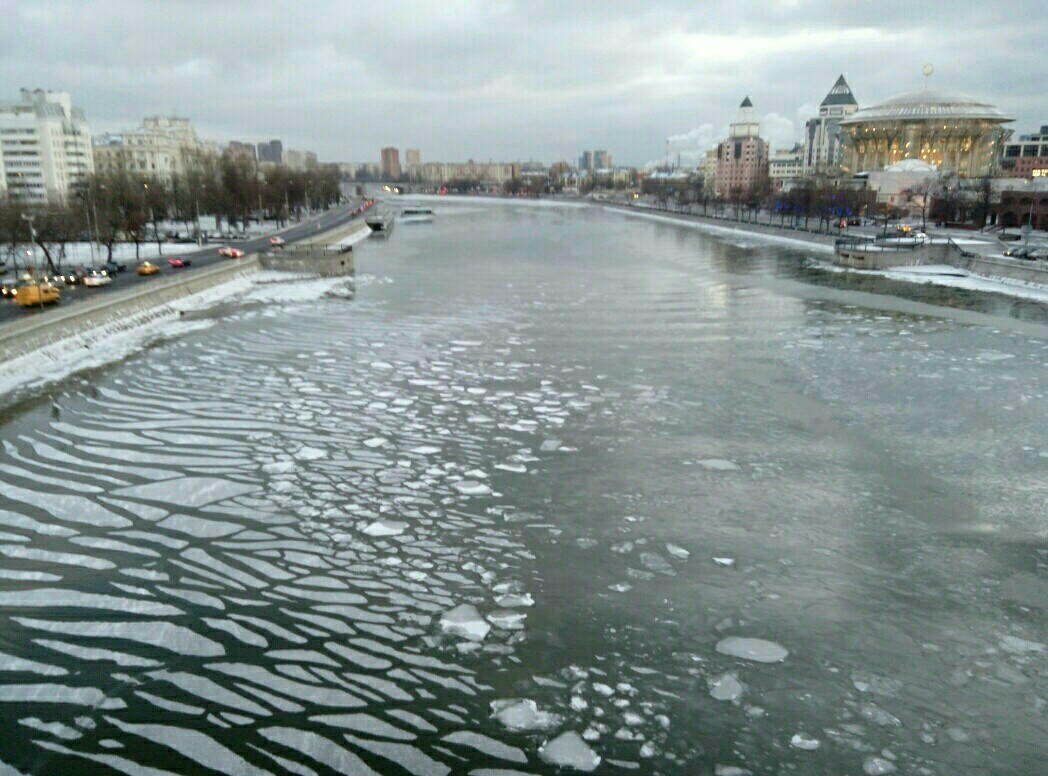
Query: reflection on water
(554, 488)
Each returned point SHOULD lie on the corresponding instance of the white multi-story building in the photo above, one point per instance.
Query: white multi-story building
(483, 172)
(45, 146)
(785, 165)
(823, 136)
(159, 148)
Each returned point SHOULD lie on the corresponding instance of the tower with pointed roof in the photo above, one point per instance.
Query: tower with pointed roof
(745, 123)
(823, 137)
(742, 159)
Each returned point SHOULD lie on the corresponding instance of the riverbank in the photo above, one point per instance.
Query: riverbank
(92, 336)
(967, 271)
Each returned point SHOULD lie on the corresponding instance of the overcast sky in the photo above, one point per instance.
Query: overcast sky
(511, 79)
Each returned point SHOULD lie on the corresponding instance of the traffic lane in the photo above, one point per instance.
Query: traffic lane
(200, 258)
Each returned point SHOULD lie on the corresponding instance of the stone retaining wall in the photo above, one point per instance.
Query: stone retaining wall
(39, 330)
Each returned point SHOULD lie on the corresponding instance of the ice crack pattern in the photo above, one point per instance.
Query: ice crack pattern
(251, 557)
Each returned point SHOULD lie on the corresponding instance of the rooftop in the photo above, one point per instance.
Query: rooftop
(928, 104)
(840, 94)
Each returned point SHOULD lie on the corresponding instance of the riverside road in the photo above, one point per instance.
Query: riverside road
(200, 257)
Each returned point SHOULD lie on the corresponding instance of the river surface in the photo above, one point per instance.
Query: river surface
(535, 489)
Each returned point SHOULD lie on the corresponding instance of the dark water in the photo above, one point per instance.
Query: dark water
(609, 447)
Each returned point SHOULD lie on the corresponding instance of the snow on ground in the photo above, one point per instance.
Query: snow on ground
(728, 230)
(118, 339)
(358, 236)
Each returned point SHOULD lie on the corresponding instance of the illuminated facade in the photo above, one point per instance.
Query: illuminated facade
(955, 133)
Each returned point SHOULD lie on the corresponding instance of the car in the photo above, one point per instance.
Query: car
(97, 278)
(33, 293)
(179, 263)
(8, 285)
(233, 253)
(113, 267)
(276, 242)
(147, 268)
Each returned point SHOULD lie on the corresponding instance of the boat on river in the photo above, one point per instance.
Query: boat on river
(417, 215)
(380, 224)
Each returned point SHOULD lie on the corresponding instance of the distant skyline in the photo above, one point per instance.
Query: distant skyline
(511, 80)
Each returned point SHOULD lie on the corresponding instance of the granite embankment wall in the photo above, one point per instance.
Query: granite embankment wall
(823, 242)
(1009, 269)
(133, 305)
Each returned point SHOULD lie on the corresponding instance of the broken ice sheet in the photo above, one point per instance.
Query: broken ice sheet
(465, 621)
(568, 750)
(522, 714)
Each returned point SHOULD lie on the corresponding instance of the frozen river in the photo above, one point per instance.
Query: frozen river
(553, 487)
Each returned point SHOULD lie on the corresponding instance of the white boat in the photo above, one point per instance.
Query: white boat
(417, 214)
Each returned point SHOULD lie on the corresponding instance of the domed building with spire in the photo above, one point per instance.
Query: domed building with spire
(742, 159)
(953, 132)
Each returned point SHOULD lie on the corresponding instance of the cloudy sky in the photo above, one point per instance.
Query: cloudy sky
(511, 79)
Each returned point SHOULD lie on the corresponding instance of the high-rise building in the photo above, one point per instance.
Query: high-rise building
(45, 146)
(601, 160)
(586, 161)
(272, 152)
(742, 159)
(412, 157)
(823, 136)
(390, 163)
(159, 148)
(245, 150)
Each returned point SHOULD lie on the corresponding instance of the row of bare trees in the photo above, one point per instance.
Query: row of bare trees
(118, 204)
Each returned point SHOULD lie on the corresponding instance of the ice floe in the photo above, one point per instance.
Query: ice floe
(465, 621)
(757, 650)
(569, 750)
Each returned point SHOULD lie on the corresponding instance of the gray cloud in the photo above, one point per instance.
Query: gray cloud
(508, 79)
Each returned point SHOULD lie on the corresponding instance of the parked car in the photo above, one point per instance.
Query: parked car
(147, 268)
(97, 279)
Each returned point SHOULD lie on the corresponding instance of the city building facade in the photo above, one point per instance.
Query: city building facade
(412, 157)
(160, 148)
(45, 146)
(390, 163)
(244, 150)
(785, 166)
(954, 132)
(481, 172)
(1026, 157)
(586, 161)
(823, 135)
(272, 152)
(601, 160)
(742, 159)
(709, 165)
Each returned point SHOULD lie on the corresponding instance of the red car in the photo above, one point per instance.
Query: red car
(179, 263)
(276, 242)
(233, 253)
